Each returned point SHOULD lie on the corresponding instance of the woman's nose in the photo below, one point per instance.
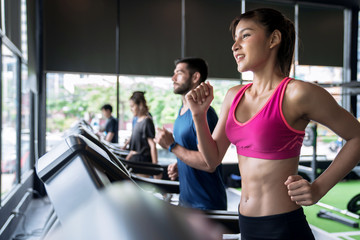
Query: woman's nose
(235, 46)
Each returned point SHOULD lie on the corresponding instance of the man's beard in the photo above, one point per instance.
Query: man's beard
(183, 89)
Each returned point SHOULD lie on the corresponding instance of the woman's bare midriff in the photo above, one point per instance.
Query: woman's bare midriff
(263, 190)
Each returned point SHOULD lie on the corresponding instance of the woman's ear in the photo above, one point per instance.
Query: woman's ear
(141, 108)
(275, 38)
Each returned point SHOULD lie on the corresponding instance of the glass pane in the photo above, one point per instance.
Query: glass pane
(71, 97)
(163, 105)
(25, 121)
(220, 89)
(24, 41)
(8, 131)
(319, 74)
(162, 102)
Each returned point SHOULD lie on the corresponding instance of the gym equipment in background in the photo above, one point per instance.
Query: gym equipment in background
(337, 218)
(342, 211)
(133, 167)
(310, 139)
(354, 204)
(74, 171)
(77, 169)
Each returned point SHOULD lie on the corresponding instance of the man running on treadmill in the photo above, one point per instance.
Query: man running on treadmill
(200, 186)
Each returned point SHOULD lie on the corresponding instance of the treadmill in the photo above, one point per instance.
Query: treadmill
(77, 169)
(131, 168)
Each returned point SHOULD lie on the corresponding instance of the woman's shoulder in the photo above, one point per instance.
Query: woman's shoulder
(301, 91)
(231, 93)
(148, 119)
(302, 87)
(148, 123)
(299, 83)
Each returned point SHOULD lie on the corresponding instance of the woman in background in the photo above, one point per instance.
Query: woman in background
(142, 146)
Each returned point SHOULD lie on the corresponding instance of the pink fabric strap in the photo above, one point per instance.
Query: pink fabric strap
(265, 135)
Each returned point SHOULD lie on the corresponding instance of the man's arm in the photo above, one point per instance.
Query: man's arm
(192, 158)
(173, 172)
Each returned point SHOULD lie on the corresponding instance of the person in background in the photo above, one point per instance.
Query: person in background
(142, 146)
(200, 186)
(134, 121)
(111, 126)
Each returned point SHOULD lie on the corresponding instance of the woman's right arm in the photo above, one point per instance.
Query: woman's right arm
(213, 147)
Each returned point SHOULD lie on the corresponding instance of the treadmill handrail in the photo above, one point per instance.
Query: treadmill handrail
(167, 185)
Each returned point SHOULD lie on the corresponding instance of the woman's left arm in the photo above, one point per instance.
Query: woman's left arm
(153, 150)
(318, 105)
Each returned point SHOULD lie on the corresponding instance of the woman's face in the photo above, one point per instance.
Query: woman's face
(134, 108)
(251, 47)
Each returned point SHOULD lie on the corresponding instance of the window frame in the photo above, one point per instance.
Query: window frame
(20, 195)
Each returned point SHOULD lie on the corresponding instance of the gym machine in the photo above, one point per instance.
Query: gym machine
(77, 169)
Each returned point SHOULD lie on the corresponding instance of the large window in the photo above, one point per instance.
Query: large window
(9, 76)
(17, 117)
(71, 97)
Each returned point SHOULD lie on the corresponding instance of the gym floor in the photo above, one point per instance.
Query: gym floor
(338, 197)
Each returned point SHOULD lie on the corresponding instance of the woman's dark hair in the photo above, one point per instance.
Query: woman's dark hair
(272, 19)
(139, 99)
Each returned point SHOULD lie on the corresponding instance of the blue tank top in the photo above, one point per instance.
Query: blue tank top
(198, 189)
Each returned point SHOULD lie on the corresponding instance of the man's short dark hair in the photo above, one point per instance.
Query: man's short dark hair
(107, 107)
(195, 65)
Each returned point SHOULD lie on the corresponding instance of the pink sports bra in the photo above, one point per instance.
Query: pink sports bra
(266, 135)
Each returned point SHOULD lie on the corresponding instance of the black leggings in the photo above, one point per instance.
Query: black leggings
(285, 226)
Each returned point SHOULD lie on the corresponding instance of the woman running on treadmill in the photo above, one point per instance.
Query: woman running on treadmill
(141, 145)
(266, 120)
